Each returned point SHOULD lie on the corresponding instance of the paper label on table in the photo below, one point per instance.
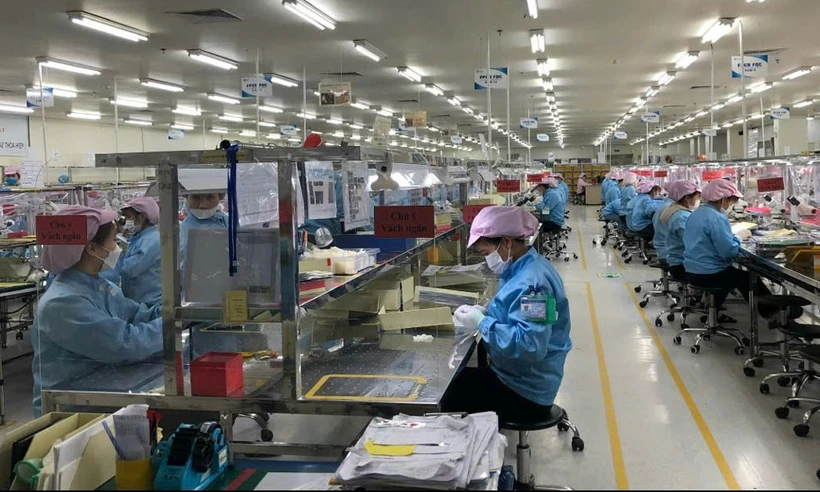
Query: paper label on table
(417, 221)
(767, 185)
(470, 212)
(235, 307)
(711, 175)
(507, 185)
(742, 226)
(62, 229)
(661, 174)
(355, 197)
(389, 450)
(321, 190)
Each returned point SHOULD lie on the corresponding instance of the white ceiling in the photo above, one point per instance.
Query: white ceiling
(604, 54)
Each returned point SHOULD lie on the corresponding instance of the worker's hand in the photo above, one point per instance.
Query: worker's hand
(744, 234)
(469, 316)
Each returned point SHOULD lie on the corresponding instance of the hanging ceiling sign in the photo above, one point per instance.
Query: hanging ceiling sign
(175, 134)
(251, 86)
(497, 78)
(709, 132)
(530, 123)
(543, 137)
(415, 119)
(287, 130)
(620, 135)
(651, 117)
(334, 93)
(783, 113)
(456, 139)
(754, 65)
(381, 131)
(35, 100)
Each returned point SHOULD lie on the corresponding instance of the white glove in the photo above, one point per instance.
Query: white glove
(469, 316)
(466, 308)
(744, 234)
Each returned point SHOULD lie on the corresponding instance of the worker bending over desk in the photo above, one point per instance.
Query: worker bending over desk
(83, 321)
(670, 224)
(711, 248)
(552, 205)
(659, 237)
(525, 328)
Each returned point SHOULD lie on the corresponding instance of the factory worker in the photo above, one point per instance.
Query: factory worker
(580, 189)
(552, 206)
(562, 187)
(203, 213)
(628, 191)
(12, 176)
(525, 328)
(672, 221)
(659, 238)
(610, 212)
(606, 184)
(616, 187)
(647, 203)
(711, 247)
(84, 322)
(138, 269)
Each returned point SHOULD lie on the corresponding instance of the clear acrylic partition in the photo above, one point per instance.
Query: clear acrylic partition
(762, 170)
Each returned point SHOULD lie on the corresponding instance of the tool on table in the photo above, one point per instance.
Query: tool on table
(192, 458)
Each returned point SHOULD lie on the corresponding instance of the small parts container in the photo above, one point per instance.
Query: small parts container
(217, 374)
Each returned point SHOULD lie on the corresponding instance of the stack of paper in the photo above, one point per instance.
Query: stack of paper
(441, 452)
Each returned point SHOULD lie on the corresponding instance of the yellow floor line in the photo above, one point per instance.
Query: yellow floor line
(609, 406)
(711, 443)
(581, 250)
(617, 254)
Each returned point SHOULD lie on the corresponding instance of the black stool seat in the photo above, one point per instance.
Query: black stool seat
(782, 301)
(659, 264)
(801, 330)
(811, 353)
(710, 289)
(557, 414)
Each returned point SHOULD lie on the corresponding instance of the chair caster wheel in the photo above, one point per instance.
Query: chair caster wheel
(695, 349)
(575, 256)
(684, 326)
(676, 340)
(646, 262)
(670, 317)
(577, 444)
(674, 305)
(18, 335)
(784, 382)
(793, 404)
(758, 362)
(638, 288)
(627, 260)
(749, 371)
(658, 322)
(703, 319)
(764, 389)
(643, 303)
(801, 430)
(740, 350)
(567, 258)
(267, 435)
(594, 243)
(563, 427)
(746, 342)
(781, 412)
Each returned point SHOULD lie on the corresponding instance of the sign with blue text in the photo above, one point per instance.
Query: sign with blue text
(288, 130)
(651, 117)
(251, 86)
(709, 132)
(781, 113)
(175, 134)
(620, 135)
(497, 78)
(543, 137)
(35, 100)
(456, 139)
(754, 65)
(529, 123)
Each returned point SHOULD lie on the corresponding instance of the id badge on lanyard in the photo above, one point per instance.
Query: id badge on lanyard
(538, 307)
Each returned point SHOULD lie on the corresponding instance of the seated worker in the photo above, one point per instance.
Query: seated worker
(138, 269)
(659, 239)
(562, 187)
(551, 207)
(84, 322)
(711, 247)
(645, 208)
(673, 219)
(526, 350)
(610, 212)
(608, 182)
(628, 192)
(614, 190)
(580, 190)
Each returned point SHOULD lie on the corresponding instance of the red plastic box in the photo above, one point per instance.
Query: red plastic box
(217, 374)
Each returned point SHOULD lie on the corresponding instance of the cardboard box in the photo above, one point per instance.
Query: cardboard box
(438, 316)
(316, 265)
(396, 290)
(359, 302)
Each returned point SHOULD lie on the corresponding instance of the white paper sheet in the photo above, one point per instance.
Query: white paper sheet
(321, 190)
(356, 198)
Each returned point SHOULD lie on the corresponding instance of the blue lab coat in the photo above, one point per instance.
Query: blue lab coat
(528, 356)
(635, 203)
(564, 190)
(605, 186)
(675, 247)
(627, 193)
(553, 201)
(644, 211)
(614, 193)
(659, 240)
(710, 244)
(84, 323)
(138, 269)
(610, 212)
(220, 219)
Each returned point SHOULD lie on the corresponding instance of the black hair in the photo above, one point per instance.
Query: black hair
(495, 241)
(103, 233)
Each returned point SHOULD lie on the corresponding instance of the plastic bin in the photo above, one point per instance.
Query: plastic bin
(350, 265)
(373, 254)
(217, 374)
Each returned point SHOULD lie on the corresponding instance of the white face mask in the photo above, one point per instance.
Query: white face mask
(203, 214)
(110, 262)
(496, 263)
(695, 205)
(130, 226)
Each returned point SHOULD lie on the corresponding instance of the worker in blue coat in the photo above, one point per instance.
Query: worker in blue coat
(525, 328)
(610, 212)
(203, 212)
(606, 184)
(552, 206)
(659, 239)
(138, 269)
(615, 190)
(627, 194)
(84, 322)
(562, 186)
(644, 209)
(672, 220)
(711, 247)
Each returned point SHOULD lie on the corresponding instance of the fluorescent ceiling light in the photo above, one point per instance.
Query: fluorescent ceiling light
(717, 30)
(213, 96)
(129, 103)
(640, 102)
(165, 86)
(384, 112)
(666, 78)
(532, 9)
(803, 103)
(718, 106)
(267, 124)
(701, 114)
(550, 96)
(338, 134)
(213, 60)
(317, 93)
(543, 67)
(187, 111)
(652, 91)
(734, 99)
(433, 89)
(247, 133)
(131, 121)
(59, 92)
(409, 73)
(310, 13)
(547, 84)
(295, 140)
(282, 80)
(84, 115)
(107, 26)
(366, 48)
(230, 117)
(467, 109)
(632, 110)
(761, 87)
(354, 126)
(454, 101)
(10, 108)
(334, 121)
(538, 40)
(66, 66)
(271, 109)
(359, 105)
(797, 72)
(219, 130)
(273, 136)
(182, 126)
(685, 59)
(306, 116)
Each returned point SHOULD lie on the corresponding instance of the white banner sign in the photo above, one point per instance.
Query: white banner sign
(543, 137)
(381, 131)
(783, 113)
(456, 139)
(288, 130)
(174, 134)
(651, 117)
(253, 85)
(355, 198)
(33, 99)
(710, 132)
(334, 93)
(13, 135)
(498, 78)
(620, 135)
(529, 123)
(321, 190)
(756, 65)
